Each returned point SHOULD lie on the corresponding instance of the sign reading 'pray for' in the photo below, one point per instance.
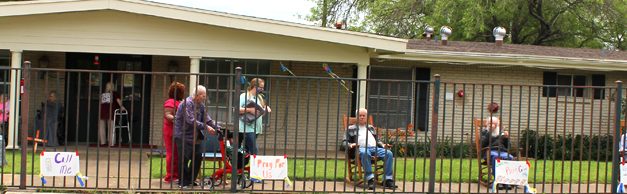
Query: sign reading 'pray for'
(59, 164)
(268, 167)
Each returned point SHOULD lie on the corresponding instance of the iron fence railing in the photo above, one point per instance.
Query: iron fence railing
(565, 137)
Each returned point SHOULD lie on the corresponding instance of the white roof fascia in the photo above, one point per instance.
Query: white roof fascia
(511, 59)
(207, 17)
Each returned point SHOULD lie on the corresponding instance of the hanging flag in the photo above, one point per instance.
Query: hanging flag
(333, 75)
(285, 69)
(326, 68)
(242, 80)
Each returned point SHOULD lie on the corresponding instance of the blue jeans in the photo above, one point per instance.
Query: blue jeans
(366, 163)
(494, 154)
(250, 144)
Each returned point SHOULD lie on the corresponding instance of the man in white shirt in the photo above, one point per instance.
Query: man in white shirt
(364, 137)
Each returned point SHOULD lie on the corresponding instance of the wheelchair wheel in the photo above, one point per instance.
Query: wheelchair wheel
(244, 181)
(217, 182)
(210, 184)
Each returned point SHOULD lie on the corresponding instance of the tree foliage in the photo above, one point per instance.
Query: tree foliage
(565, 23)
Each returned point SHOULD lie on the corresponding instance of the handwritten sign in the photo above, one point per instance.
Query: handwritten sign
(511, 172)
(59, 164)
(268, 167)
(623, 173)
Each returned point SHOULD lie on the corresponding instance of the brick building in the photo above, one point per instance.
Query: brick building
(134, 35)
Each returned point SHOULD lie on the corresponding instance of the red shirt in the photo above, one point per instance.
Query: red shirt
(167, 124)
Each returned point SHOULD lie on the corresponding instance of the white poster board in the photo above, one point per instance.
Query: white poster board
(623, 173)
(268, 167)
(59, 164)
(511, 172)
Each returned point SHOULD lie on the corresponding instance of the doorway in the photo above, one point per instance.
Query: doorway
(84, 89)
(422, 98)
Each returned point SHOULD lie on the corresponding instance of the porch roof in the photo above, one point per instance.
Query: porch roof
(375, 43)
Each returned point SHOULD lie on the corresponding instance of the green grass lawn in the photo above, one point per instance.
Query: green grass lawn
(14, 157)
(454, 170)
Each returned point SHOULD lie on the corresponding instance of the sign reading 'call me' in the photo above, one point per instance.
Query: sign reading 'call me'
(59, 164)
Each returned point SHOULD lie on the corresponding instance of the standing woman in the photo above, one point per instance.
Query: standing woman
(175, 95)
(109, 101)
(4, 117)
(250, 130)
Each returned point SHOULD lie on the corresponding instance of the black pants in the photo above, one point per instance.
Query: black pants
(190, 159)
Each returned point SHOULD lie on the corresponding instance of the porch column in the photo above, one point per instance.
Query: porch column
(14, 98)
(362, 73)
(194, 67)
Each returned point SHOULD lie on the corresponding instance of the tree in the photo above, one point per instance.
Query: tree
(566, 23)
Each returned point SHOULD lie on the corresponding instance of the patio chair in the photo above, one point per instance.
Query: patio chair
(354, 171)
(485, 170)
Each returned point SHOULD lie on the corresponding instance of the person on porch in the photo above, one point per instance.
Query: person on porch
(51, 110)
(365, 136)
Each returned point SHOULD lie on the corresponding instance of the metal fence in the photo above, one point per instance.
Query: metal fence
(563, 132)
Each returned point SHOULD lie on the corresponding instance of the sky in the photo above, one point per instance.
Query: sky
(284, 10)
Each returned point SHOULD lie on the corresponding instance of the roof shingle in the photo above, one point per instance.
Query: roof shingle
(488, 47)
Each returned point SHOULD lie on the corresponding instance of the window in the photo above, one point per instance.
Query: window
(5, 62)
(570, 85)
(220, 88)
(390, 103)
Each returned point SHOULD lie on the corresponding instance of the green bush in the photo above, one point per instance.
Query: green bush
(575, 147)
(445, 149)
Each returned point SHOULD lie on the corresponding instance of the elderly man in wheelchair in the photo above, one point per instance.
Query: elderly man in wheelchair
(363, 137)
(498, 143)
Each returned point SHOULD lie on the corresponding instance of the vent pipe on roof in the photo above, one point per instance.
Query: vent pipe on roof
(499, 33)
(445, 32)
(339, 25)
(428, 32)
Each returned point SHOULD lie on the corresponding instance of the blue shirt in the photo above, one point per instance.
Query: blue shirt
(190, 115)
(256, 126)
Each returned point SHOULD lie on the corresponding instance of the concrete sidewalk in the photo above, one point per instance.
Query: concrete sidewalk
(128, 170)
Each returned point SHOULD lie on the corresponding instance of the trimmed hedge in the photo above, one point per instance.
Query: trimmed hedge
(568, 147)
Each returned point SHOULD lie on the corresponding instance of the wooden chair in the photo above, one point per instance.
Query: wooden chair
(485, 170)
(354, 171)
(484, 163)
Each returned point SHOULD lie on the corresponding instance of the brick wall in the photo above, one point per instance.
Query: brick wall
(40, 86)
(161, 83)
(297, 117)
(519, 102)
(307, 112)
